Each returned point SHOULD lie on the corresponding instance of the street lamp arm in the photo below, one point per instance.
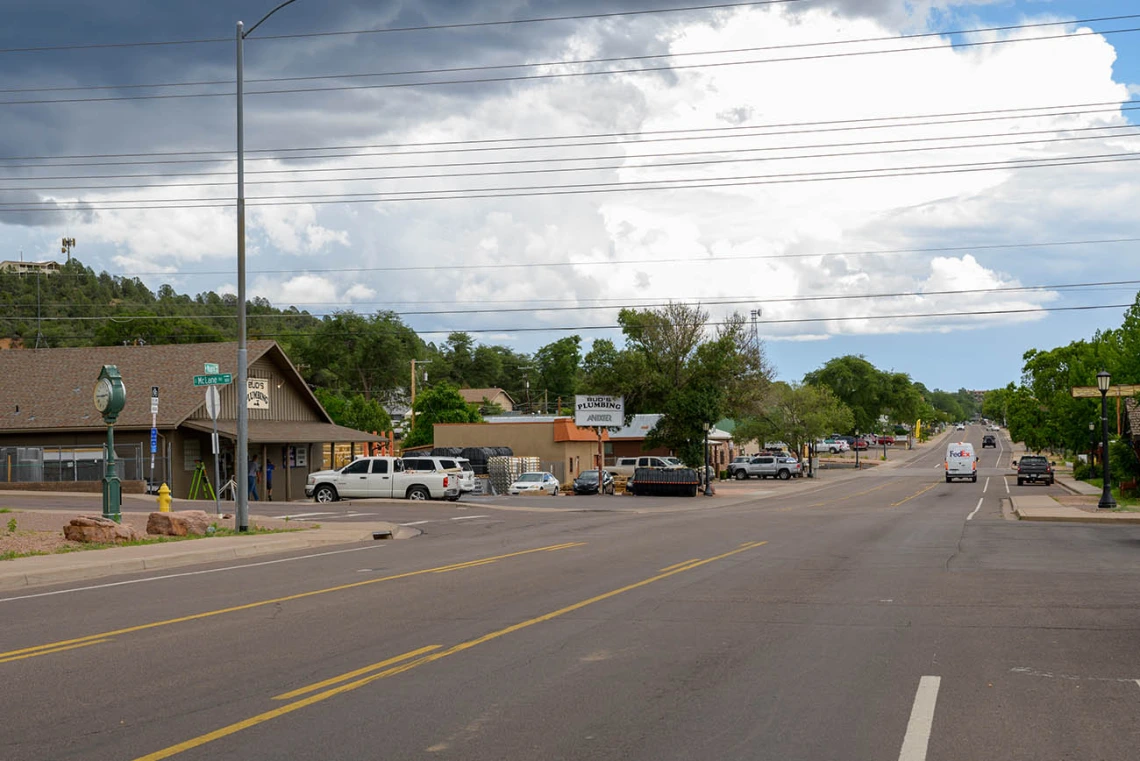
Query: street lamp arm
(266, 16)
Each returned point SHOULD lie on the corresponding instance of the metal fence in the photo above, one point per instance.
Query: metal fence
(61, 464)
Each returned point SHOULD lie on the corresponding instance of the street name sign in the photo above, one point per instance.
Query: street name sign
(599, 411)
(211, 368)
(1092, 392)
(215, 379)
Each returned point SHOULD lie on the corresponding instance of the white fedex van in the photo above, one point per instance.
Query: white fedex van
(961, 462)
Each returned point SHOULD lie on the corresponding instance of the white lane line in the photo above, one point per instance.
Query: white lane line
(987, 485)
(1003, 478)
(970, 517)
(921, 720)
(416, 523)
(295, 516)
(467, 517)
(188, 573)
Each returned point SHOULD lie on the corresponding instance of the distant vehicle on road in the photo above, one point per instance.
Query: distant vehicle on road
(381, 477)
(989, 440)
(961, 462)
(1034, 469)
(960, 427)
(535, 482)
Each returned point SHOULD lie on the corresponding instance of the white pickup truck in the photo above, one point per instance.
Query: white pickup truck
(380, 477)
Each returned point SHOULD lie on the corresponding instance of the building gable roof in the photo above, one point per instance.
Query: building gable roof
(51, 389)
(477, 395)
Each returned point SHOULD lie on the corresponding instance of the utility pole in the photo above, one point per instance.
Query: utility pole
(414, 363)
(241, 454)
(66, 246)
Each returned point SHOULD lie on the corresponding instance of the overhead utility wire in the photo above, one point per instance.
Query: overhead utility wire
(436, 27)
(861, 123)
(571, 62)
(580, 308)
(633, 262)
(594, 187)
(553, 170)
(787, 321)
(568, 74)
(541, 191)
(612, 157)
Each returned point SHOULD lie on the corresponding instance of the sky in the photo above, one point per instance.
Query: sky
(840, 167)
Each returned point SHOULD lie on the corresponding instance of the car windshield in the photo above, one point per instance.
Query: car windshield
(531, 477)
(588, 475)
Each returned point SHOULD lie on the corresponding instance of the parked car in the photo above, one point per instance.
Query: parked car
(1034, 469)
(535, 482)
(885, 441)
(767, 466)
(861, 443)
(989, 440)
(460, 466)
(626, 465)
(587, 482)
(834, 446)
(380, 477)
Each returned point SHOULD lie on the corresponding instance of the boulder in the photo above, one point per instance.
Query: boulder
(184, 523)
(98, 530)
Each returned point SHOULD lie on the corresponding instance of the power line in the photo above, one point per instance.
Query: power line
(551, 170)
(436, 27)
(685, 134)
(581, 188)
(783, 321)
(571, 62)
(564, 75)
(634, 262)
(580, 308)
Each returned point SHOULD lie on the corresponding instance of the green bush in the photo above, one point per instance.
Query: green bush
(1122, 461)
(1082, 471)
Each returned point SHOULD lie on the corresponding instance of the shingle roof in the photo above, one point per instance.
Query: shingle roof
(43, 389)
(477, 395)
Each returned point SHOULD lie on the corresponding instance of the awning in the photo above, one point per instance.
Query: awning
(285, 431)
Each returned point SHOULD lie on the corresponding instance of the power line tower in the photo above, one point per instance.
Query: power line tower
(755, 337)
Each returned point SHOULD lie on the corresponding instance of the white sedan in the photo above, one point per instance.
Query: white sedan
(537, 482)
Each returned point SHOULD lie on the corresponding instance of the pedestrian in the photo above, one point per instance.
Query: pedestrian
(269, 480)
(254, 468)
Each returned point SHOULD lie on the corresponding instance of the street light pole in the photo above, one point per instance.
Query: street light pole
(241, 455)
(1106, 500)
(708, 480)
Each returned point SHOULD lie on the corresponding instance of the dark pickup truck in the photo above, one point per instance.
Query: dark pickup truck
(1035, 469)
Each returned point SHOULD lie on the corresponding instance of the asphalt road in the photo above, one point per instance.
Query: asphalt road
(885, 614)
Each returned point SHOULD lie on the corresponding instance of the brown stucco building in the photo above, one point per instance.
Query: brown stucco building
(564, 449)
(51, 436)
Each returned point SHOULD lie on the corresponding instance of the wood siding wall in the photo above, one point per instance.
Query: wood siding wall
(286, 401)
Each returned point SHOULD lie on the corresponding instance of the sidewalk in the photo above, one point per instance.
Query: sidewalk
(1078, 487)
(91, 564)
(1042, 508)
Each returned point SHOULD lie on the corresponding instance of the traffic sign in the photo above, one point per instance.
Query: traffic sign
(216, 379)
(153, 440)
(211, 368)
(213, 401)
(154, 400)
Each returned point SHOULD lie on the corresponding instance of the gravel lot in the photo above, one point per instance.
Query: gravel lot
(42, 530)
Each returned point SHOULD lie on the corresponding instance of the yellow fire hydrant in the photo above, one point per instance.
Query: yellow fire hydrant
(164, 499)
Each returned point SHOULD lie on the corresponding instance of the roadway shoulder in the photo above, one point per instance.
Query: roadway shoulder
(1041, 508)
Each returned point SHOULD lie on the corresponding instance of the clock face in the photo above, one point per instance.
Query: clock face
(102, 394)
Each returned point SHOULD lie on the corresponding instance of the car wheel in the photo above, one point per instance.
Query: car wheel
(785, 475)
(1021, 482)
(325, 493)
(833, 450)
(740, 475)
(948, 479)
(974, 480)
(418, 493)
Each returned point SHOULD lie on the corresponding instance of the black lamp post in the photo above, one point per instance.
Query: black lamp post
(708, 481)
(1102, 382)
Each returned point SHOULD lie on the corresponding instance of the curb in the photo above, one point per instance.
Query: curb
(41, 570)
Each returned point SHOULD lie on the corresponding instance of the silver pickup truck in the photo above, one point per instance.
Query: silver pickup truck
(380, 477)
(766, 466)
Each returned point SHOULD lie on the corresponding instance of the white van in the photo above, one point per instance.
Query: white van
(961, 462)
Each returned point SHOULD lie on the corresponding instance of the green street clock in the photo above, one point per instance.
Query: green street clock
(110, 393)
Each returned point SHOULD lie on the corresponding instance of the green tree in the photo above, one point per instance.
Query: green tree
(438, 404)
(856, 383)
(352, 352)
(354, 411)
(557, 365)
(797, 414)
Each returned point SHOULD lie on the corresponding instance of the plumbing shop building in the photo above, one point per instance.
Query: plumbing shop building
(53, 439)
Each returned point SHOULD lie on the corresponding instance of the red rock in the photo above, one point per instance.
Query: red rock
(98, 530)
(184, 523)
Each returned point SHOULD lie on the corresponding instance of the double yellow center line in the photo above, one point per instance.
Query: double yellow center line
(94, 639)
(399, 664)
